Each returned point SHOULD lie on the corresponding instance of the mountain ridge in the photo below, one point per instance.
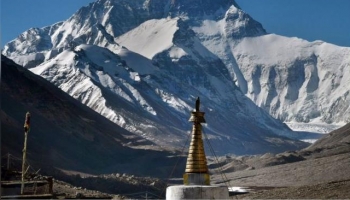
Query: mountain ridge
(185, 67)
(66, 134)
(126, 87)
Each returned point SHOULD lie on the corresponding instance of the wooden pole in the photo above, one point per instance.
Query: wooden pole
(24, 160)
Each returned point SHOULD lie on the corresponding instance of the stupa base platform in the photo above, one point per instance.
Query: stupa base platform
(196, 192)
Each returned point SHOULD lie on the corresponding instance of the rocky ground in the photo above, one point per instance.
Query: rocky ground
(320, 171)
(330, 190)
(307, 172)
(63, 190)
(108, 186)
(76, 185)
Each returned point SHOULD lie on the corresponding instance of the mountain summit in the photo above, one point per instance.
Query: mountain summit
(143, 63)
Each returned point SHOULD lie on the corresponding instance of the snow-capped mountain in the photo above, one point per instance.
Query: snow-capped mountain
(293, 79)
(155, 101)
(69, 136)
(143, 63)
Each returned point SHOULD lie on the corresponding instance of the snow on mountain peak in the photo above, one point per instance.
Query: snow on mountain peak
(81, 70)
(292, 74)
(153, 36)
(142, 63)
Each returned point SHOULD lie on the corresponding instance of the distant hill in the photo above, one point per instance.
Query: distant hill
(320, 171)
(338, 139)
(66, 134)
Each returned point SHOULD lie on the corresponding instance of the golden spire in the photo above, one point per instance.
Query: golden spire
(196, 167)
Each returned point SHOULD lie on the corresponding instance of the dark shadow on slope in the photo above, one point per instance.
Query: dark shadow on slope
(68, 135)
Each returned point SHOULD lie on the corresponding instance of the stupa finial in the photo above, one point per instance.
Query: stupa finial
(197, 104)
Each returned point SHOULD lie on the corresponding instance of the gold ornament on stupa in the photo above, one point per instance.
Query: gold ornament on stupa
(196, 172)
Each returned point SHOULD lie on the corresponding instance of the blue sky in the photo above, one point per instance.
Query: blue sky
(327, 20)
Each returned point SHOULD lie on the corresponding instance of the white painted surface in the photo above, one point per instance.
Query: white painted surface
(196, 192)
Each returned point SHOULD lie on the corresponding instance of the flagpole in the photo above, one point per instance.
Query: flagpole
(26, 131)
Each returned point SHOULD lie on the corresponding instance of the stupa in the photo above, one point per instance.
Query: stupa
(196, 177)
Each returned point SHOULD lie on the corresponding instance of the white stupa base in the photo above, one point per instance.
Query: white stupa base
(196, 192)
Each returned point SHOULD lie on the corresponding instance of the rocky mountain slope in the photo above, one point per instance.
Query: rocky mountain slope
(296, 80)
(336, 138)
(67, 135)
(319, 171)
(142, 64)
